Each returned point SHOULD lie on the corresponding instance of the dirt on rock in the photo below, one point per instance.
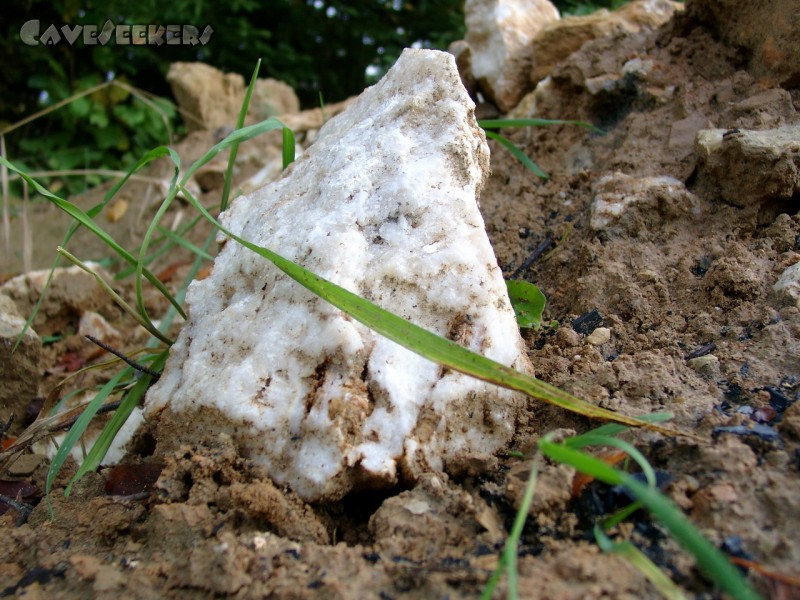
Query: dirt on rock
(665, 301)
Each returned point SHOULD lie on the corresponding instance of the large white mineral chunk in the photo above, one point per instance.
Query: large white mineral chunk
(384, 203)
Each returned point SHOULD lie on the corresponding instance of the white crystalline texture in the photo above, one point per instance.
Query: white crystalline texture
(384, 204)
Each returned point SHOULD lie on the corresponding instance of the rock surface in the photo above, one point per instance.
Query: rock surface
(19, 369)
(272, 98)
(71, 293)
(499, 34)
(385, 204)
(620, 200)
(561, 38)
(751, 167)
(208, 98)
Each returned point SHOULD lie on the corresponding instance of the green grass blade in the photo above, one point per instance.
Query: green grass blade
(512, 544)
(184, 243)
(641, 563)
(236, 137)
(85, 220)
(132, 399)
(500, 123)
(288, 147)
(144, 322)
(226, 190)
(77, 430)
(518, 154)
(508, 559)
(75, 225)
(628, 448)
(427, 344)
(711, 561)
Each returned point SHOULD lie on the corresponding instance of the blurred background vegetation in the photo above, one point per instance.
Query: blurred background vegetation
(329, 47)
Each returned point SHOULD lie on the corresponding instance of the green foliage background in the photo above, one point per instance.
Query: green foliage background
(317, 46)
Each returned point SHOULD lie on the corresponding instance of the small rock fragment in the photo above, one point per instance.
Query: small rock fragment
(600, 336)
(616, 195)
(95, 325)
(72, 292)
(384, 204)
(750, 167)
(788, 284)
(706, 365)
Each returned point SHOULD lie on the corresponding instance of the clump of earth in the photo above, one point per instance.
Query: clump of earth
(663, 303)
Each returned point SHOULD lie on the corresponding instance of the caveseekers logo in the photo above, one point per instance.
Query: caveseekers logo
(123, 35)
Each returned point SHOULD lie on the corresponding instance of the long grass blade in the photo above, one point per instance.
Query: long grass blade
(712, 562)
(429, 345)
(77, 430)
(146, 323)
(627, 447)
(87, 221)
(226, 190)
(501, 123)
(288, 147)
(183, 243)
(641, 563)
(132, 399)
(518, 154)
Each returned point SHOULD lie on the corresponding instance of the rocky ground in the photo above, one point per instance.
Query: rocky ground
(669, 245)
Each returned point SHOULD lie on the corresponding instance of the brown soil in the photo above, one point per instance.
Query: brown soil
(677, 276)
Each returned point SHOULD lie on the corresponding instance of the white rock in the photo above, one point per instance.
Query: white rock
(789, 284)
(384, 203)
(93, 324)
(500, 34)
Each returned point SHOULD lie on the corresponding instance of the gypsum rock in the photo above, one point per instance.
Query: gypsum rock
(384, 203)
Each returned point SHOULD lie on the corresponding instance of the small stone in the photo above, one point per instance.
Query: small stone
(72, 292)
(600, 336)
(648, 275)
(93, 324)
(619, 197)
(788, 284)
(25, 465)
(271, 98)
(704, 364)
